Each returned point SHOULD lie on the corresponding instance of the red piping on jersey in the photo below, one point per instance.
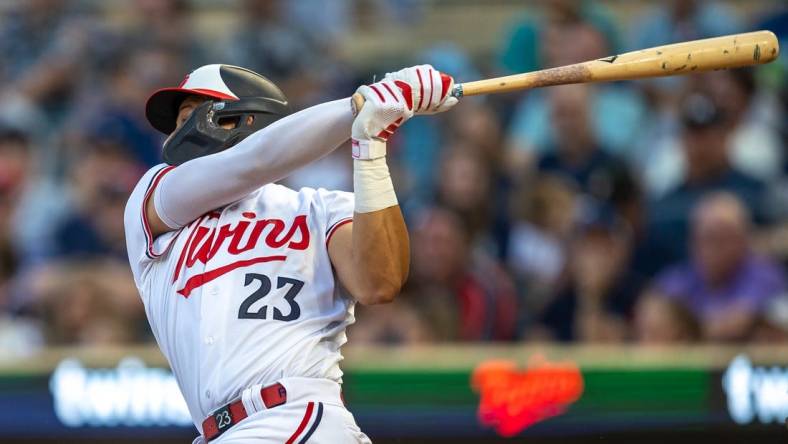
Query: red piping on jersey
(303, 424)
(201, 279)
(334, 228)
(145, 224)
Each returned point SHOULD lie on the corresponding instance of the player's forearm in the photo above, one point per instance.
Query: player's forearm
(381, 254)
(380, 249)
(209, 182)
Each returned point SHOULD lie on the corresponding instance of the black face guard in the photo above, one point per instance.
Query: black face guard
(202, 135)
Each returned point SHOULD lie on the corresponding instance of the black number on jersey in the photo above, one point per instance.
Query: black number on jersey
(295, 288)
(263, 291)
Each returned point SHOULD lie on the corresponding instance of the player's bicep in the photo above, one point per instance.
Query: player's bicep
(340, 251)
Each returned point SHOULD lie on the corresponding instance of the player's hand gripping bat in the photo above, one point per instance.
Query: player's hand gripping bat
(730, 51)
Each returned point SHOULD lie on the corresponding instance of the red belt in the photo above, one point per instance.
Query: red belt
(232, 413)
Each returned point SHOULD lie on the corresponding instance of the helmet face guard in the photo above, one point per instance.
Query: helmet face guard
(232, 94)
(202, 134)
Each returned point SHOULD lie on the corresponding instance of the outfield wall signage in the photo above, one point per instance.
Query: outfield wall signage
(756, 393)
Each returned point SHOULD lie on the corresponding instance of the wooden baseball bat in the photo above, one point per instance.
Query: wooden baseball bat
(730, 51)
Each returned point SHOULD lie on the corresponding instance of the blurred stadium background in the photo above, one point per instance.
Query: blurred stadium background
(590, 263)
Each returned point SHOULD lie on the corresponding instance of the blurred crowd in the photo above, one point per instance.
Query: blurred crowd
(647, 212)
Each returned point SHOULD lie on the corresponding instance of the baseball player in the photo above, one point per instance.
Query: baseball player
(238, 274)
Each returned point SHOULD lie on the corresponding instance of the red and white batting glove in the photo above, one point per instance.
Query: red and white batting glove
(431, 89)
(388, 104)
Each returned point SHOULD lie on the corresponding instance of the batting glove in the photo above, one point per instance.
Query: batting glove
(388, 104)
(430, 88)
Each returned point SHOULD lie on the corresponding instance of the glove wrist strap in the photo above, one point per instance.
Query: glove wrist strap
(368, 149)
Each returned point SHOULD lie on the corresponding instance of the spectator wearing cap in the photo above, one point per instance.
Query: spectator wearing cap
(596, 304)
(724, 284)
(707, 169)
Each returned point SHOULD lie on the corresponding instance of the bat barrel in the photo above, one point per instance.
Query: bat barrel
(732, 51)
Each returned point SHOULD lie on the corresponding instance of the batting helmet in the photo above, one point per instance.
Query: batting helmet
(233, 93)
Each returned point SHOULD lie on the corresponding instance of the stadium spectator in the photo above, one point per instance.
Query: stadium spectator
(28, 30)
(708, 168)
(662, 321)
(49, 47)
(754, 122)
(398, 323)
(272, 39)
(14, 170)
(464, 294)
(597, 301)
(724, 284)
(576, 153)
(167, 24)
(31, 203)
(465, 186)
(544, 217)
(616, 111)
(678, 21)
(682, 20)
(89, 303)
(19, 335)
(101, 181)
(523, 48)
(128, 83)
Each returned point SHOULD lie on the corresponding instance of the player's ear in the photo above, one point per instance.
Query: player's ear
(249, 120)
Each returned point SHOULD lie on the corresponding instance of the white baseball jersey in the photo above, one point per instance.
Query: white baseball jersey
(245, 294)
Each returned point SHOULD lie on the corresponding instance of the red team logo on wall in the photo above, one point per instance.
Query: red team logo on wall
(512, 400)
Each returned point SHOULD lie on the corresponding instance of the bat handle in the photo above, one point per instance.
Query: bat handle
(357, 100)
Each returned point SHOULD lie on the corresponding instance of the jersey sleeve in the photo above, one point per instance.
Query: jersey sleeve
(338, 209)
(141, 246)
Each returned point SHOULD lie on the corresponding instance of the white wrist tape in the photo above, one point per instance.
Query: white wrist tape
(372, 185)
